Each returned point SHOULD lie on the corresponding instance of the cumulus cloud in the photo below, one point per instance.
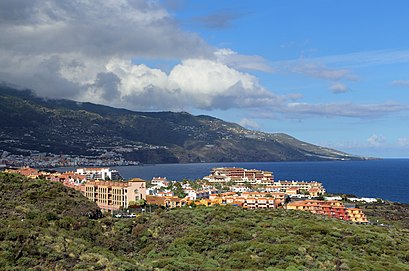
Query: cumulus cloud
(200, 83)
(376, 140)
(87, 50)
(61, 48)
(338, 87)
(84, 50)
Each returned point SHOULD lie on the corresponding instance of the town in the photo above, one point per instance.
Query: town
(248, 189)
(36, 159)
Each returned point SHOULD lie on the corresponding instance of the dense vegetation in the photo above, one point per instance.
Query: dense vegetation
(387, 213)
(69, 127)
(45, 226)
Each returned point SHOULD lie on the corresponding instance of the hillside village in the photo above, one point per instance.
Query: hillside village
(248, 189)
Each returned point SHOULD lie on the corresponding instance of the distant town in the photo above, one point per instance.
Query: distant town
(38, 159)
(248, 189)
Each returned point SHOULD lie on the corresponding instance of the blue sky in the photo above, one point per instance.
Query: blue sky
(330, 73)
(364, 38)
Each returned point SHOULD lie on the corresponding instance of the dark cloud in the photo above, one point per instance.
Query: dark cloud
(99, 28)
(84, 49)
(107, 84)
(61, 48)
(218, 20)
(155, 98)
(16, 11)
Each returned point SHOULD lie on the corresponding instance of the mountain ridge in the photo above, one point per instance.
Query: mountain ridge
(83, 128)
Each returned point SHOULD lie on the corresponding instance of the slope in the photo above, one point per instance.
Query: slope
(45, 226)
(63, 126)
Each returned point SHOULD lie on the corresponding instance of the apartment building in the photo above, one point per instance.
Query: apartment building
(110, 195)
(313, 188)
(167, 201)
(240, 176)
(26, 171)
(331, 208)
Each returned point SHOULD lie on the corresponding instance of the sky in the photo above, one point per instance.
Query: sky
(332, 73)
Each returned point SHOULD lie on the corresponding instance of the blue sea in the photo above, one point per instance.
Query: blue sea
(387, 179)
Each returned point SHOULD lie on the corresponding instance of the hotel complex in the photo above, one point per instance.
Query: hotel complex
(110, 196)
(249, 189)
(240, 176)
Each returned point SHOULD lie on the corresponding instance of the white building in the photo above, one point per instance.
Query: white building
(367, 200)
(239, 189)
(99, 173)
(159, 182)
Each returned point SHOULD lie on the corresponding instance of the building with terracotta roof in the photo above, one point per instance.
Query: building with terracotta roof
(331, 208)
(110, 195)
(313, 188)
(167, 201)
(250, 200)
(26, 171)
(240, 176)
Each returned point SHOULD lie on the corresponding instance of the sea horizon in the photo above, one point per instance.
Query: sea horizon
(381, 178)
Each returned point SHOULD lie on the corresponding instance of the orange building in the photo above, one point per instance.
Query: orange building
(167, 201)
(331, 208)
(356, 215)
(26, 171)
(250, 200)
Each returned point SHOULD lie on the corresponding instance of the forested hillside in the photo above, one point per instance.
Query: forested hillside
(45, 226)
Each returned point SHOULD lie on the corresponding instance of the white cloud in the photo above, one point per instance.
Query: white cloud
(249, 123)
(352, 110)
(199, 83)
(318, 70)
(244, 62)
(401, 83)
(59, 46)
(86, 50)
(376, 140)
(403, 142)
(338, 87)
(295, 96)
(354, 60)
(83, 50)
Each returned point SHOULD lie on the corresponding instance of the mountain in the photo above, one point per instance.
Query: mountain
(57, 126)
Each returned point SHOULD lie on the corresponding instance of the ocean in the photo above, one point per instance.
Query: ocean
(387, 179)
